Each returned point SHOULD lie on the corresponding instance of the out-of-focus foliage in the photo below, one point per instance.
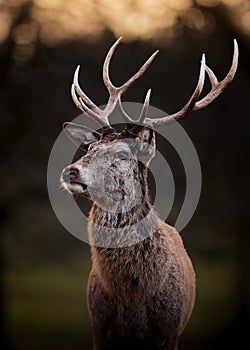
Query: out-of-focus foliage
(53, 21)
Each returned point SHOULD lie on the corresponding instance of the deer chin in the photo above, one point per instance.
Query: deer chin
(75, 187)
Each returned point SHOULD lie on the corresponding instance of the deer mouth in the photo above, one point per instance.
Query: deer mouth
(75, 187)
(83, 186)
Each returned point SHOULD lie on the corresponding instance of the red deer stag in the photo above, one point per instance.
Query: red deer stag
(140, 294)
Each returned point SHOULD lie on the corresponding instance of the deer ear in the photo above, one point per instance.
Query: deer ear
(80, 135)
(146, 136)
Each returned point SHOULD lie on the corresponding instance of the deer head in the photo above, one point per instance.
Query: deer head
(113, 170)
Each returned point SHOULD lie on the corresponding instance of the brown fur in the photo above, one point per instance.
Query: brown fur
(139, 295)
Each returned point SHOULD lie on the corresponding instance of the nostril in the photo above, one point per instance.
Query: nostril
(73, 173)
(70, 174)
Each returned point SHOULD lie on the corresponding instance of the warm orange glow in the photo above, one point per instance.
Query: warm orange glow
(5, 24)
(53, 21)
(233, 2)
(179, 5)
(208, 3)
(246, 21)
(142, 20)
(47, 4)
(194, 18)
(15, 3)
(60, 20)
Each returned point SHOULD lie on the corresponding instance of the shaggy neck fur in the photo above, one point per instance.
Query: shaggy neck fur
(111, 229)
(126, 247)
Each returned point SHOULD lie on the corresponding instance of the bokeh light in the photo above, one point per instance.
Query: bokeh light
(54, 21)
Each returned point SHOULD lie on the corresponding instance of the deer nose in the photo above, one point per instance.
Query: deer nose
(70, 174)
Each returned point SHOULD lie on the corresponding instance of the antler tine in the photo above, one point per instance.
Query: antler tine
(193, 104)
(91, 113)
(83, 107)
(219, 87)
(124, 114)
(116, 91)
(106, 79)
(84, 97)
(75, 98)
(143, 111)
(212, 77)
(84, 103)
(140, 72)
(189, 105)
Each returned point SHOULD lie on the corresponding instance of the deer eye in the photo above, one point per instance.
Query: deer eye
(121, 155)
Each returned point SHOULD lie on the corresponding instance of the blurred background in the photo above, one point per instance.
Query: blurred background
(43, 268)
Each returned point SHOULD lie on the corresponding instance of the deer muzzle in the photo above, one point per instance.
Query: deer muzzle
(70, 180)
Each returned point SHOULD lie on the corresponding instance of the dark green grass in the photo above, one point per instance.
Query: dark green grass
(46, 307)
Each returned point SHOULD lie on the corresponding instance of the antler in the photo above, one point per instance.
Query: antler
(193, 104)
(84, 103)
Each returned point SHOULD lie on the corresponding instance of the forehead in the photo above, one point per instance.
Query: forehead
(113, 146)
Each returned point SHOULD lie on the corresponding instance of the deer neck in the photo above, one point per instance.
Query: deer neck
(121, 228)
